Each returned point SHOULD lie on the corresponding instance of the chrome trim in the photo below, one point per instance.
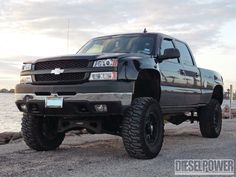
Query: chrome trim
(124, 98)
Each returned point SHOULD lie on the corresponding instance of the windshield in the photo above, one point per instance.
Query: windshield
(119, 44)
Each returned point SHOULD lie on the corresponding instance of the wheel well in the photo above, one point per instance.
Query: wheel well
(148, 84)
(218, 93)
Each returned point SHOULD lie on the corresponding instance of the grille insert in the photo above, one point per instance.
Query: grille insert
(63, 64)
(65, 77)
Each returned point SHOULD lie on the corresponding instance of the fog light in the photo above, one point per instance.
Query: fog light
(100, 107)
(23, 107)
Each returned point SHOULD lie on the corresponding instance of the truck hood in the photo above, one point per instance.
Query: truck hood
(92, 57)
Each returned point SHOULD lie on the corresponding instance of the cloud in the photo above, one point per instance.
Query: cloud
(10, 67)
(195, 21)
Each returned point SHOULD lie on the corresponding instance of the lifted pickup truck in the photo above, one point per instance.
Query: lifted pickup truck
(124, 85)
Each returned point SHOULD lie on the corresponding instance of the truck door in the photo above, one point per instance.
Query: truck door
(172, 78)
(192, 73)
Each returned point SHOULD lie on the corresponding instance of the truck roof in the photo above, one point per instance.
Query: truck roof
(147, 33)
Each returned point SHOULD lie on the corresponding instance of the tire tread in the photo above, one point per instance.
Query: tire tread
(31, 132)
(131, 133)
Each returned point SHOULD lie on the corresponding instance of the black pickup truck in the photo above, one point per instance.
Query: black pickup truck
(124, 85)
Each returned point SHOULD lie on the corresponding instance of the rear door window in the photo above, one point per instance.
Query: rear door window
(185, 56)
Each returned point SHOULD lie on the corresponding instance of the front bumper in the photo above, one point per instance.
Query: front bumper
(76, 101)
(79, 105)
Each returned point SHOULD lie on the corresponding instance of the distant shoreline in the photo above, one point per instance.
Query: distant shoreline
(7, 91)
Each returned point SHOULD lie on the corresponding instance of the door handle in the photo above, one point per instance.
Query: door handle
(182, 72)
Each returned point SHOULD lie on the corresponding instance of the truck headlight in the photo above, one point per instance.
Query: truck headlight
(103, 76)
(26, 66)
(25, 79)
(106, 63)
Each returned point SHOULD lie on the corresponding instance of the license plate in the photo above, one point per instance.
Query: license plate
(54, 102)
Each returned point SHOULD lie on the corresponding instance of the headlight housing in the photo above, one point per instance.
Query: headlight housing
(106, 63)
(25, 79)
(103, 76)
(26, 66)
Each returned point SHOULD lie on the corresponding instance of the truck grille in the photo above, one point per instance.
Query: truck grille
(63, 77)
(66, 77)
(63, 64)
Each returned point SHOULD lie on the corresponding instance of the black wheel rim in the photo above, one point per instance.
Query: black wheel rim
(216, 119)
(151, 128)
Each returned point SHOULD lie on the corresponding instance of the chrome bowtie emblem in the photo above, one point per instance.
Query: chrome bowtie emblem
(57, 71)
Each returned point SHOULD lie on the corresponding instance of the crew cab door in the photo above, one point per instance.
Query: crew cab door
(192, 74)
(172, 79)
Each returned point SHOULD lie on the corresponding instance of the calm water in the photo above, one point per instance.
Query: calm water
(227, 102)
(10, 117)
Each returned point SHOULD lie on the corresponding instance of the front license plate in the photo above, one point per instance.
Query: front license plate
(54, 102)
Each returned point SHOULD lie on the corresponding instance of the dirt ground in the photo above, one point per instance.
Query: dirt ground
(104, 155)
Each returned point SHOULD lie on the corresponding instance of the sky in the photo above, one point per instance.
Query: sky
(30, 29)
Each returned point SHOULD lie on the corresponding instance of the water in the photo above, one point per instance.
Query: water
(10, 117)
(227, 102)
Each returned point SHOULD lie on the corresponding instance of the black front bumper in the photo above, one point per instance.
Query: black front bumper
(78, 100)
(71, 109)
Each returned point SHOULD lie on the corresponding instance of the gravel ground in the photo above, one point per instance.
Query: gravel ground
(104, 155)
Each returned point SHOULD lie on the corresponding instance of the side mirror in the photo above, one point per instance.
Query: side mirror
(170, 53)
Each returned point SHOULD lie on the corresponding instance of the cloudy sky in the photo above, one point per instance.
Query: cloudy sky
(36, 28)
